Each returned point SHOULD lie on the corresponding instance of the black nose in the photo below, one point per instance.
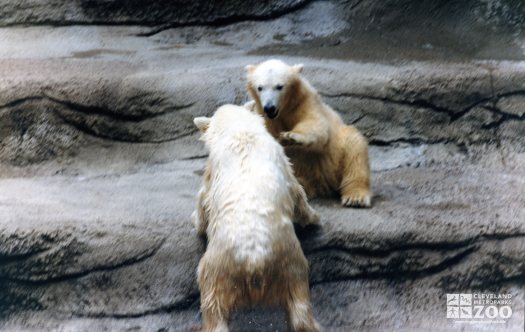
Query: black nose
(269, 109)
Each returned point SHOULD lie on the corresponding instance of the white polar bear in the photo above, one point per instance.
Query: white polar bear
(246, 207)
(329, 157)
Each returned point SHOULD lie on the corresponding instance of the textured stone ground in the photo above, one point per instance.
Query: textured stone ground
(100, 164)
(119, 250)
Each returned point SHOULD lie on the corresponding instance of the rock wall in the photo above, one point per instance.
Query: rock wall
(141, 12)
(461, 104)
(374, 13)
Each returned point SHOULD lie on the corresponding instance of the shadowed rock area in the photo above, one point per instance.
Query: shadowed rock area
(100, 162)
(141, 12)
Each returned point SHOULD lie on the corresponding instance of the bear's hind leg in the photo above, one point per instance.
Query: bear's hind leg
(300, 316)
(355, 185)
(217, 299)
(214, 323)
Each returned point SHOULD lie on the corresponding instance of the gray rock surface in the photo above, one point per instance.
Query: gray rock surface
(142, 92)
(93, 248)
(100, 164)
(176, 12)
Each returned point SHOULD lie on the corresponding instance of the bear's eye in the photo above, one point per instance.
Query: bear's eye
(278, 87)
(259, 88)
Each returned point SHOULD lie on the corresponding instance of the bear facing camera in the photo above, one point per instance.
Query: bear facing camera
(329, 157)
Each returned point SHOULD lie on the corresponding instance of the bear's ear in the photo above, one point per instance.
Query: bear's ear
(297, 68)
(202, 123)
(249, 68)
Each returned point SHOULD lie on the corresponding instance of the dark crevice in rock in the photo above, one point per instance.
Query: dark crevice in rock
(20, 101)
(401, 274)
(487, 103)
(494, 124)
(90, 131)
(355, 5)
(510, 93)
(504, 117)
(184, 304)
(502, 236)
(411, 141)
(462, 147)
(70, 276)
(7, 259)
(431, 246)
(203, 156)
(453, 253)
(421, 103)
(226, 20)
(96, 110)
(159, 19)
(358, 119)
(95, 115)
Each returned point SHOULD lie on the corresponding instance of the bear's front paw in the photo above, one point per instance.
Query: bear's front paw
(291, 138)
(357, 199)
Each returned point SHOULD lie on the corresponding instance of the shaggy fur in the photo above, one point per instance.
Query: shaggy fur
(246, 207)
(328, 156)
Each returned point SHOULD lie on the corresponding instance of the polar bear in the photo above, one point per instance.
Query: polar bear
(246, 206)
(328, 156)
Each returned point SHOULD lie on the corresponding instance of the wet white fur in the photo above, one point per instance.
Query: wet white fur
(246, 206)
(251, 188)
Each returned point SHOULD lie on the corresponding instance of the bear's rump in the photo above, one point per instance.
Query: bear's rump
(263, 283)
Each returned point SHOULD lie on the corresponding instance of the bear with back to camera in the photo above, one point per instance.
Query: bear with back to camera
(246, 207)
(328, 156)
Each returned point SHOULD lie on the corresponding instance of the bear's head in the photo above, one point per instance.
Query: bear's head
(227, 124)
(272, 84)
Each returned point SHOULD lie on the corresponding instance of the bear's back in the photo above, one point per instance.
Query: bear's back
(251, 169)
(250, 199)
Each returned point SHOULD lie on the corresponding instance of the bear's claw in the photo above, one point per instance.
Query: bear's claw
(357, 200)
(290, 138)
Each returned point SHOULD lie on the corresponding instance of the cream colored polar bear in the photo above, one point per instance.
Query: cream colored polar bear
(246, 207)
(328, 156)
